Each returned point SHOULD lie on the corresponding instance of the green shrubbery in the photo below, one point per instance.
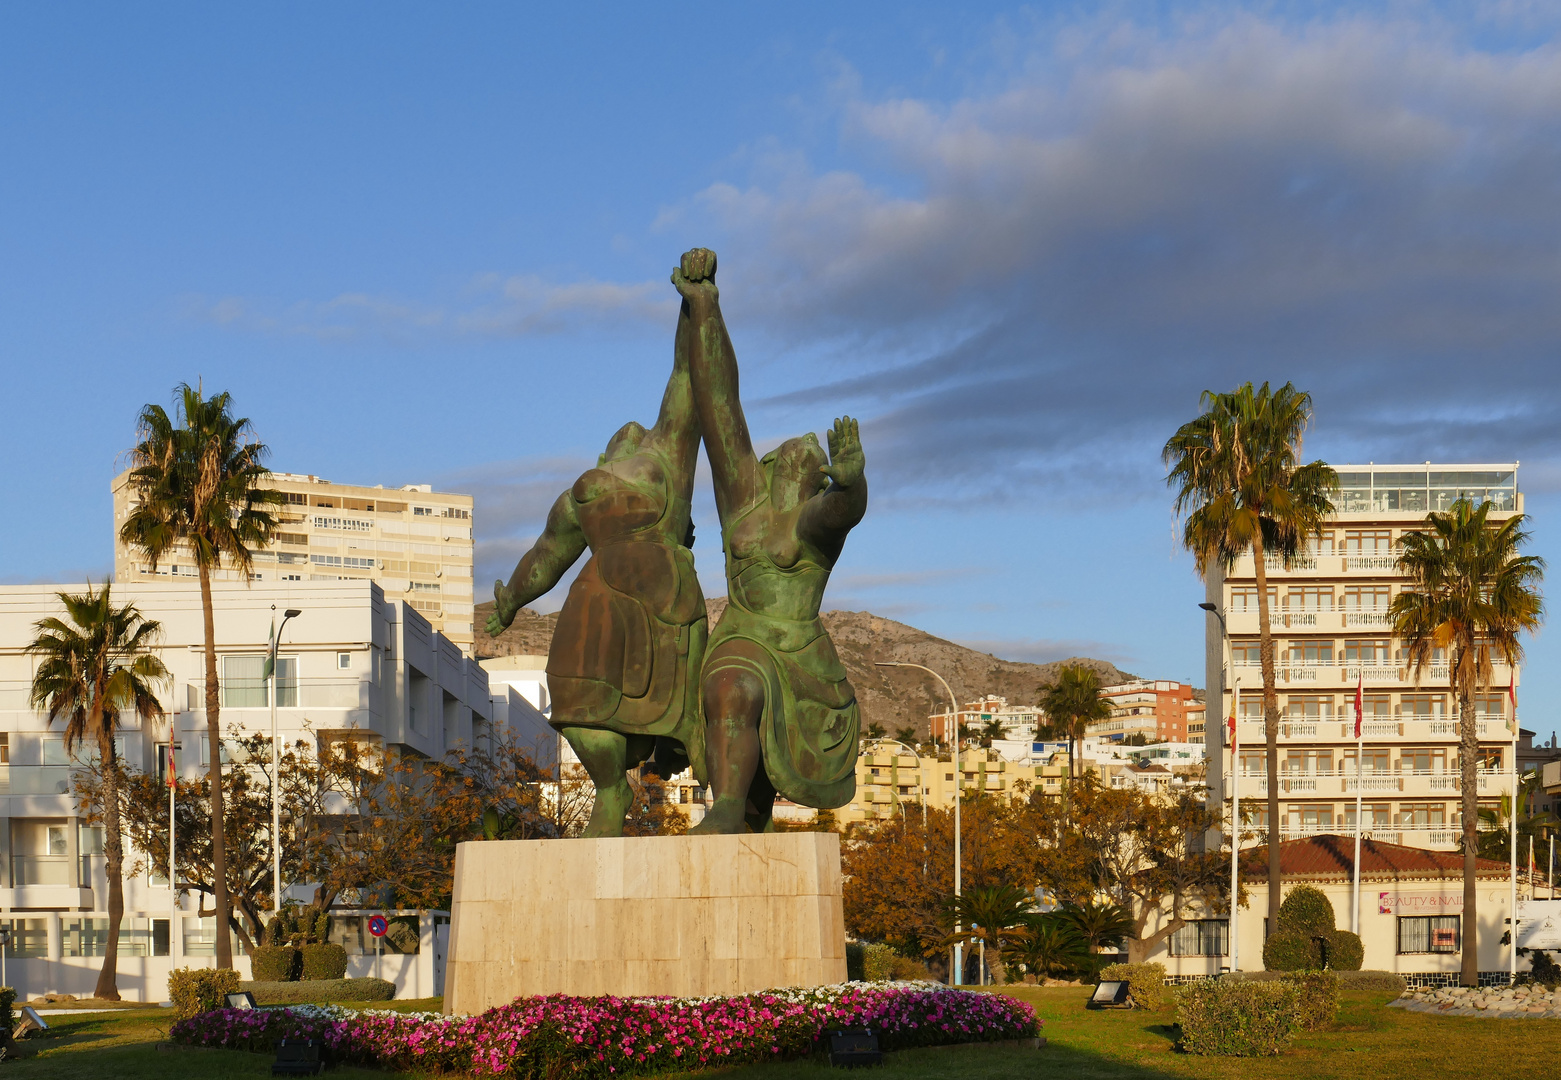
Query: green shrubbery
(275, 963)
(1232, 1018)
(856, 954)
(1304, 936)
(7, 1017)
(323, 962)
(1543, 969)
(197, 990)
(320, 990)
(1145, 982)
(877, 963)
(1318, 1003)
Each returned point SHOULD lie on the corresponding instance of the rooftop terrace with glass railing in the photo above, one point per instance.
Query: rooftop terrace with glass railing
(1382, 489)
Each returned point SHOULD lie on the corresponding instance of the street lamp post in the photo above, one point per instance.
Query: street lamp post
(921, 795)
(959, 784)
(276, 770)
(1235, 792)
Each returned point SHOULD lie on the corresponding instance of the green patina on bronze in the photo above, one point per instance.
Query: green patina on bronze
(623, 668)
(765, 708)
(780, 715)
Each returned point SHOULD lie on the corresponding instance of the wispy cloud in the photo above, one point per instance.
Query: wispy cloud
(1048, 650)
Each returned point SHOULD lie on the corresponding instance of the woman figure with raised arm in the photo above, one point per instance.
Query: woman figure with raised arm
(780, 715)
(623, 668)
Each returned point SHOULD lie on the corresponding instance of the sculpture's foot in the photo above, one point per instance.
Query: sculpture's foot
(726, 816)
(608, 811)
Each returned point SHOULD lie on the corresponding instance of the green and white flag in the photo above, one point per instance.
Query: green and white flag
(265, 672)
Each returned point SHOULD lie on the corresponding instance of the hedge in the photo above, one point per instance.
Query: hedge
(197, 990)
(1319, 998)
(1371, 981)
(319, 990)
(275, 963)
(1145, 982)
(324, 962)
(1230, 1018)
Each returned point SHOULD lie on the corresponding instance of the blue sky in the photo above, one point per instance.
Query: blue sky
(430, 244)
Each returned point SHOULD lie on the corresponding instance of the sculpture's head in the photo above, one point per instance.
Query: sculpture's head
(625, 444)
(793, 471)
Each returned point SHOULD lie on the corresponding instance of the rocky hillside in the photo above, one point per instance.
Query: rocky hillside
(893, 697)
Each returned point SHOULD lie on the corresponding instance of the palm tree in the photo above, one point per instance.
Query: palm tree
(1469, 594)
(1050, 945)
(1533, 826)
(988, 913)
(1071, 704)
(197, 479)
(1102, 925)
(90, 670)
(1241, 487)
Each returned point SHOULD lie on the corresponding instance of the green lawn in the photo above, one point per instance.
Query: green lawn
(1370, 1041)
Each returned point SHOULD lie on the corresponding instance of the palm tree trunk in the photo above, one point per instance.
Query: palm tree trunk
(1469, 759)
(219, 855)
(1270, 729)
(113, 864)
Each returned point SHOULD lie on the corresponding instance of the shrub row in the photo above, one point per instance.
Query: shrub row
(1145, 983)
(284, 963)
(198, 990)
(319, 990)
(1255, 1017)
(1376, 981)
(617, 1037)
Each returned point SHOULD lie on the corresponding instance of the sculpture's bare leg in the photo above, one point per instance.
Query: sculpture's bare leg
(607, 757)
(734, 703)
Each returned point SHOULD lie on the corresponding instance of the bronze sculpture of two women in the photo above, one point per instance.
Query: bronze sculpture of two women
(760, 707)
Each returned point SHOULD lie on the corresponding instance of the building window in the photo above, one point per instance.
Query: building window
(1429, 933)
(1202, 937)
(1309, 708)
(422, 511)
(295, 498)
(5, 748)
(344, 660)
(1368, 541)
(1310, 598)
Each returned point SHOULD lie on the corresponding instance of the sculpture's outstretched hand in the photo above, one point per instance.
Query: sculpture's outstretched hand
(846, 460)
(504, 609)
(695, 276)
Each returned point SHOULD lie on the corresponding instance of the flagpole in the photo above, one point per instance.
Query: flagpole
(173, 831)
(1360, 746)
(1512, 833)
(1235, 818)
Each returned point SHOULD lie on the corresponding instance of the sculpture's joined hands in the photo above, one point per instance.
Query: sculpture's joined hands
(766, 709)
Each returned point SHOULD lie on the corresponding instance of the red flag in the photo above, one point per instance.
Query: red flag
(173, 774)
(1360, 705)
(1234, 702)
(1512, 696)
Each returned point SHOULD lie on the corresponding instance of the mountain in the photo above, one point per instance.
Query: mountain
(893, 697)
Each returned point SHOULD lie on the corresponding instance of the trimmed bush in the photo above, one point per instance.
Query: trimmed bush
(1378, 981)
(1291, 952)
(1230, 1018)
(1319, 998)
(1306, 911)
(1145, 982)
(904, 969)
(7, 1017)
(324, 962)
(197, 990)
(316, 991)
(877, 963)
(275, 963)
(1343, 951)
(855, 954)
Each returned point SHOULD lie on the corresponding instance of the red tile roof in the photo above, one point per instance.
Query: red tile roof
(1332, 858)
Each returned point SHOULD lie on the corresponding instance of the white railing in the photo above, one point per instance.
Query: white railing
(1366, 618)
(1303, 562)
(1349, 669)
(1371, 562)
(1372, 782)
(1294, 730)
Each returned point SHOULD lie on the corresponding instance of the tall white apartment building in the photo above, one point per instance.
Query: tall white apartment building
(416, 543)
(1329, 614)
(353, 665)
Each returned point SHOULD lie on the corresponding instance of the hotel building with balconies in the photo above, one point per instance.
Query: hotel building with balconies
(1329, 614)
(416, 543)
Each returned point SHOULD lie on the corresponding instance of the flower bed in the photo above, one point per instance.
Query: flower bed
(610, 1037)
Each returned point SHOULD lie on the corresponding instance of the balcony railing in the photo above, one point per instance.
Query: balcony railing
(295, 693)
(35, 779)
(1371, 562)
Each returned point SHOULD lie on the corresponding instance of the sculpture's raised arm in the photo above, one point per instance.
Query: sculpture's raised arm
(561, 543)
(829, 515)
(713, 367)
(677, 425)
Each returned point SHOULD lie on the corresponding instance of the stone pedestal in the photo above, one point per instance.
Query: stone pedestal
(675, 915)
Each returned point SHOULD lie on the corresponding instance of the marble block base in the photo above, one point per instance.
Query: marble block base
(676, 915)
